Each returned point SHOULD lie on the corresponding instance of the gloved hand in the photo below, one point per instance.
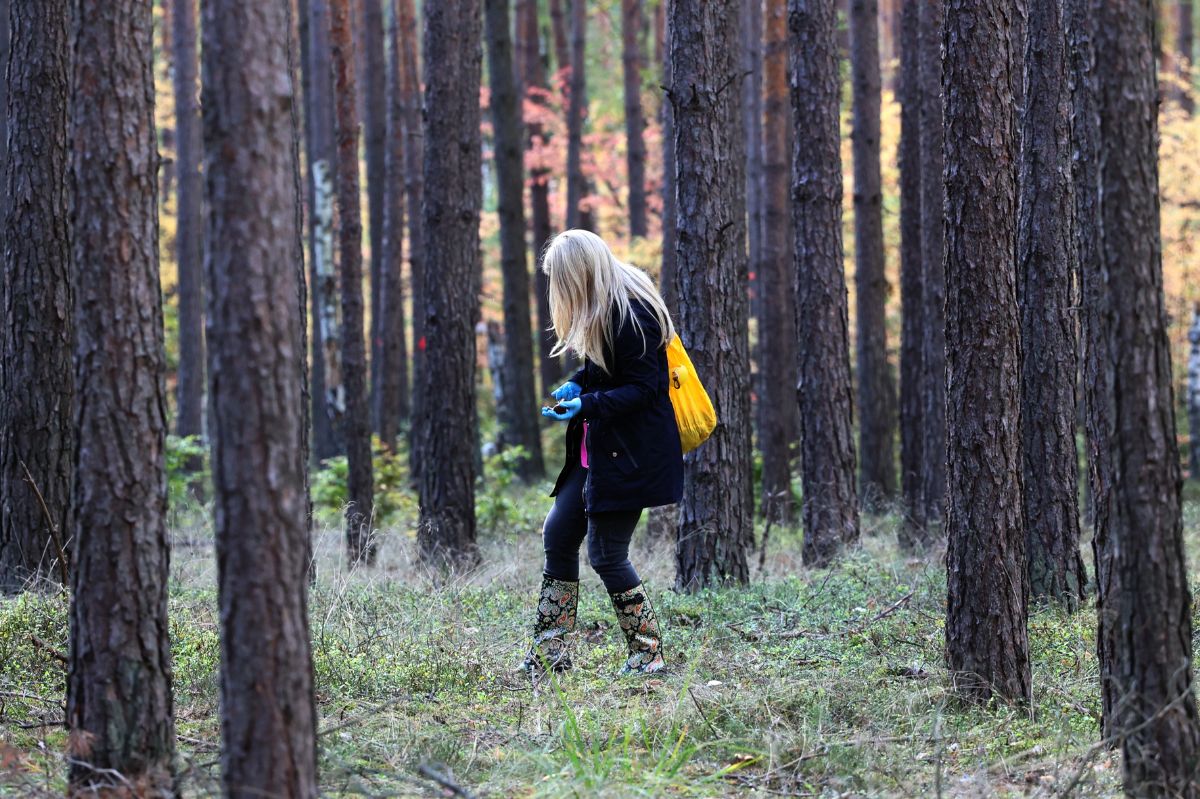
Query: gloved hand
(570, 408)
(567, 391)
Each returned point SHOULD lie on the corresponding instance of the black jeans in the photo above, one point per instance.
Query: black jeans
(608, 535)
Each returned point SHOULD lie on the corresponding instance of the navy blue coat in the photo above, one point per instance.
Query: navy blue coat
(634, 456)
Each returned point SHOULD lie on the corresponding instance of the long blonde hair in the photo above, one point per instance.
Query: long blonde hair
(586, 283)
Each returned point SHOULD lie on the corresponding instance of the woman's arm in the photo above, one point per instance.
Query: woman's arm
(638, 367)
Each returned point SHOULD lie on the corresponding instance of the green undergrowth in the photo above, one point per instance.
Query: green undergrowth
(806, 683)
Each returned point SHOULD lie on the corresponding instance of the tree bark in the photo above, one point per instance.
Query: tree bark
(166, 166)
(1046, 272)
(987, 648)
(533, 79)
(913, 533)
(255, 337)
(827, 432)
(1184, 47)
(669, 275)
(414, 192)
(5, 49)
(635, 123)
(876, 391)
(1193, 395)
(518, 421)
(562, 47)
(776, 294)
(933, 287)
(189, 230)
(360, 545)
(1143, 602)
(753, 47)
(119, 707)
(716, 515)
(375, 122)
(37, 437)
(393, 373)
(453, 196)
(576, 109)
(329, 396)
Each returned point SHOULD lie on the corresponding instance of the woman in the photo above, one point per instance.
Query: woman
(623, 451)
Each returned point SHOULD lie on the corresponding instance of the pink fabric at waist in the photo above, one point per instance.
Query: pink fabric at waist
(583, 459)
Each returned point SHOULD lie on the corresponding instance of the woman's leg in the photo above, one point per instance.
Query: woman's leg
(609, 535)
(554, 619)
(564, 530)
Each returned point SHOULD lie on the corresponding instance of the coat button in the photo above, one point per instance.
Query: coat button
(614, 454)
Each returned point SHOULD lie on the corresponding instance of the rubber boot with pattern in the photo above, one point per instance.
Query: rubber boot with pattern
(556, 607)
(639, 625)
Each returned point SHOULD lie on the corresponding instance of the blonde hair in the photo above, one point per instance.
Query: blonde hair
(586, 283)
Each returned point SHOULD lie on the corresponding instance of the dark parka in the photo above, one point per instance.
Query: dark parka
(634, 456)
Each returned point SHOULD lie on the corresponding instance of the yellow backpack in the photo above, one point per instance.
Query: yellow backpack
(694, 412)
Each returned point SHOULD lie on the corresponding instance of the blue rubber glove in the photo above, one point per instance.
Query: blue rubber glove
(567, 391)
(570, 408)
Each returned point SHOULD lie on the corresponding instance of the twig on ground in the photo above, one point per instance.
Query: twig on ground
(63, 566)
(54, 652)
(889, 610)
(430, 773)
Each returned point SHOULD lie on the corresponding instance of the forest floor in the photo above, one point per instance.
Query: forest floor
(806, 683)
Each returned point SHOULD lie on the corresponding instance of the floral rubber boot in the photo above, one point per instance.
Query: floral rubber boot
(556, 608)
(639, 625)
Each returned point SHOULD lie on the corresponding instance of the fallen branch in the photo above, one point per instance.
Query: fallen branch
(430, 773)
(54, 652)
(888, 611)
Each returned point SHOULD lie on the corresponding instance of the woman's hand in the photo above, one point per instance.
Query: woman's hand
(567, 391)
(569, 407)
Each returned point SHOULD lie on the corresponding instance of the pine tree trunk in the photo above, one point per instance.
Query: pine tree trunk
(824, 392)
(1046, 272)
(393, 373)
(913, 533)
(562, 48)
(1143, 602)
(776, 290)
(933, 284)
(5, 48)
(519, 425)
(1193, 395)
(166, 133)
(189, 229)
(1184, 46)
(329, 396)
(294, 30)
(268, 716)
(669, 274)
(635, 122)
(716, 514)
(533, 79)
(359, 506)
(119, 707)
(987, 648)
(414, 192)
(576, 109)
(37, 437)
(876, 391)
(375, 122)
(453, 195)
(753, 46)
